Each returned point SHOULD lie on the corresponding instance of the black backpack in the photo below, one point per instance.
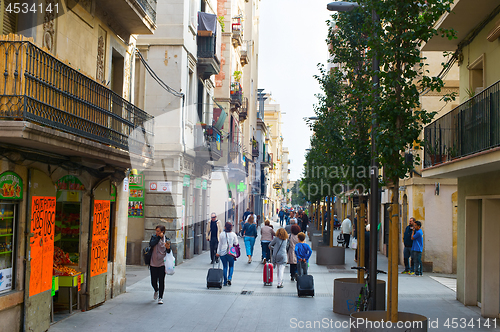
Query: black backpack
(147, 253)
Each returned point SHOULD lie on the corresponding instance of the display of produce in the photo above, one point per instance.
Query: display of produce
(60, 270)
(60, 257)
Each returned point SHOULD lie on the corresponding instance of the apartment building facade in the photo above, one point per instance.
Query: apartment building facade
(70, 135)
(463, 144)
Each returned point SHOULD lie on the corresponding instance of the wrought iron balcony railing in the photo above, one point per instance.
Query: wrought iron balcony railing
(208, 64)
(472, 127)
(266, 160)
(236, 93)
(243, 114)
(39, 88)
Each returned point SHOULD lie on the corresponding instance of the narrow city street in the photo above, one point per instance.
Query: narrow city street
(248, 305)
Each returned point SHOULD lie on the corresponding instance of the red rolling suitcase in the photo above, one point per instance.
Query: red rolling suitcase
(268, 274)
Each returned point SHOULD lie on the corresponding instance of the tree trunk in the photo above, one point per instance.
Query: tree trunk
(392, 275)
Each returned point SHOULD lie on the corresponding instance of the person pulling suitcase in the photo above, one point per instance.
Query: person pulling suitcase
(278, 247)
(227, 240)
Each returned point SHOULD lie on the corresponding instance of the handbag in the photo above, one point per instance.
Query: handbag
(231, 251)
(288, 243)
(354, 243)
(238, 250)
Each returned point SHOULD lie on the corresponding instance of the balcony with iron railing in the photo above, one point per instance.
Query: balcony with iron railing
(237, 32)
(236, 94)
(243, 114)
(136, 16)
(39, 89)
(245, 50)
(471, 129)
(208, 145)
(208, 64)
(266, 161)
(255, 148)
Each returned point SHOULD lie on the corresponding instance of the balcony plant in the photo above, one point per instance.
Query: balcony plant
(451, 152)
(221, 22)
(434, 152)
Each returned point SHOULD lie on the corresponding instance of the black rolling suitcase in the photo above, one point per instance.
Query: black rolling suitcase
(305, 285)
(215, 277)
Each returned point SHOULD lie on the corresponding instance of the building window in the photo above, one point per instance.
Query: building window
(476, 76)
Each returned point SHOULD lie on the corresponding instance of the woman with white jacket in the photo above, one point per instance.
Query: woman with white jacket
(278, 247)
(227, 240)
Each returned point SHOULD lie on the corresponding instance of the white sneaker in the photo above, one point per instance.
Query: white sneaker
(160, 301)
(155, 297)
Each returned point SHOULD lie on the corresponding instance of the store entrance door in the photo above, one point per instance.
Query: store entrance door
(99, 244)
(41, 226)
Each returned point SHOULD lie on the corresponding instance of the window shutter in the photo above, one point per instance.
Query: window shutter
(9, 20)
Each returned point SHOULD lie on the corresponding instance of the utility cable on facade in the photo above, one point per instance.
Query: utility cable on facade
(156, 78)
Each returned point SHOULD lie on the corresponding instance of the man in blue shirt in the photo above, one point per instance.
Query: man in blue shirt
(281, 214)
(417, 247)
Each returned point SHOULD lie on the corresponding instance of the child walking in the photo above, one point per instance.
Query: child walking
(303, 252)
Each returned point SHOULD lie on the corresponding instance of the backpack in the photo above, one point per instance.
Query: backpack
(147, 253)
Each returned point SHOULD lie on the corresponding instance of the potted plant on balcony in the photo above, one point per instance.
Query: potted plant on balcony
(451, 153)
(434, 153)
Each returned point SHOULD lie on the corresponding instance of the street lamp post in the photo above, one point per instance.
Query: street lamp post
(342, 6)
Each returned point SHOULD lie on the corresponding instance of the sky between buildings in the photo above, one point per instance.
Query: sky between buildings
(292, 43)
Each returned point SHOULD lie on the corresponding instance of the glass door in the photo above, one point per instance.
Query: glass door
(7, 245)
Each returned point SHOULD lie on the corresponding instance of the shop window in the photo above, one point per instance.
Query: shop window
(67, 235)
(7, 245)
(68, 214)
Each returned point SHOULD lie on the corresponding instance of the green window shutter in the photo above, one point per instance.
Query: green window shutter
(9, 20)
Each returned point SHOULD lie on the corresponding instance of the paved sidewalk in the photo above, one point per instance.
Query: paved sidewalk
(248, 305)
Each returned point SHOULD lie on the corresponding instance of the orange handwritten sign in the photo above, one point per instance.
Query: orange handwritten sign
(100, 229)
(43, 211)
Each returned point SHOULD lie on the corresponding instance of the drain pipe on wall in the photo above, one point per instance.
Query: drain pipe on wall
(183, 123)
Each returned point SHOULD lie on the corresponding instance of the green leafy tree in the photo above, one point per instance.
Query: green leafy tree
(396, 113)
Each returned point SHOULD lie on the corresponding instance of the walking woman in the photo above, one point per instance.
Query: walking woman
(266, 236)
(278, 247)
(292, 259)
(227, 239)
(161, 246)
(293, 220)
(249, 233)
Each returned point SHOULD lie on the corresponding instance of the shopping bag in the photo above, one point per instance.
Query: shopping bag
(169, 263)
(354, 243)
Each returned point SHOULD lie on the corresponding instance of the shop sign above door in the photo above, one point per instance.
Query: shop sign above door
(11, 186)
(69, 182)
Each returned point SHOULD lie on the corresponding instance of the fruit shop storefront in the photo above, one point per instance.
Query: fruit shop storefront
(66, 227)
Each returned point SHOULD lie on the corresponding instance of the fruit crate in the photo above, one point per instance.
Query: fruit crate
(71, 281)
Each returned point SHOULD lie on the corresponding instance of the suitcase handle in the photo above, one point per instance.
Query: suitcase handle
(218, 264)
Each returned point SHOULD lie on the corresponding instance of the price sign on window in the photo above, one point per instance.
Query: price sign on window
(43, 211)
(100, 229)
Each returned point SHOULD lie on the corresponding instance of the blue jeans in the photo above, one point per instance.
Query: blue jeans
(266, 252)
(249, 243)
(227, 259)
(407, 255)
(301, 268)
(281, 220)
(417, 258)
